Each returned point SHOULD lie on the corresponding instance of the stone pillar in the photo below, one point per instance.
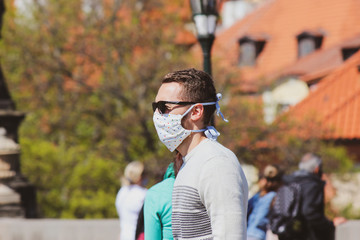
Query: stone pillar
(10, 171)
(10, 203)
(14, 184)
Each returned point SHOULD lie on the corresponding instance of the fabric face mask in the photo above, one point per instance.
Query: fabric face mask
(170, 131)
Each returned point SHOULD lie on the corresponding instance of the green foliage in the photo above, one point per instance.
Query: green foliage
(336, 158)
(349, 213)
(68, 178)
(283, 142)
(87, 77)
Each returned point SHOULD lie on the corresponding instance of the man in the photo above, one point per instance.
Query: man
(210, 191)
(312, 195)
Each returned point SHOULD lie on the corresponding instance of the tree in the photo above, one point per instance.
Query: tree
(282, 142)
(86, 72)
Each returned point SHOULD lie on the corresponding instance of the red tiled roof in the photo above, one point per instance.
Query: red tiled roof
(335, 102)
(281, 21)
(322, 62)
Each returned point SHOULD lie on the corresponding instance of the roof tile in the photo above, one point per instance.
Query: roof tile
(281, 21)
(336, 102)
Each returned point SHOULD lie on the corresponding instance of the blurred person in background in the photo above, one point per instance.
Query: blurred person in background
(259, 205)
(158, 204)
(309, 176)
(158, 208)
(130, 199)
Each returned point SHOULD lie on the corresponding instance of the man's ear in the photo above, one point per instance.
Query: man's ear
(197, 112)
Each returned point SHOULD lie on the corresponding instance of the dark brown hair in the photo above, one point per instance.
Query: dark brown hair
(198, 86)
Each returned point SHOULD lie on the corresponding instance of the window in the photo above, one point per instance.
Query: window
(308, 43)
(249, 51)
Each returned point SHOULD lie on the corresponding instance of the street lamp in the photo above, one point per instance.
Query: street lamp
(205, 16)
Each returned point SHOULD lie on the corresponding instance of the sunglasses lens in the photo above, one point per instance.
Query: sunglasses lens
(160, 106)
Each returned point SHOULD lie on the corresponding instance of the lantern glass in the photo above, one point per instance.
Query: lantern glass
(205, 16)
(211, 21)
(204, 7)
(205, 25)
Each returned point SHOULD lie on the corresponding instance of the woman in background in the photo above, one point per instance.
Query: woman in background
(130, 199)
(259, 205)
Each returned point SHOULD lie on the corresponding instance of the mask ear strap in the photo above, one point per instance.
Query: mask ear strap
(187, 111)
(218, 112)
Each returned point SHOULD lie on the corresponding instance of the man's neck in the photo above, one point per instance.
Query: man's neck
(190, 143)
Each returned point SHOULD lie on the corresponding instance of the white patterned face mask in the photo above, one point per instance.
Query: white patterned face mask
(170, 131)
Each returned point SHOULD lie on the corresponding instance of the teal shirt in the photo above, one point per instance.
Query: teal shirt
(158, 208)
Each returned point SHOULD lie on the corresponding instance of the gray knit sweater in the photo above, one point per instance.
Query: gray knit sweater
(210, 195)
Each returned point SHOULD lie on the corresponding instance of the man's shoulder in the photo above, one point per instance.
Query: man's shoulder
(216, 157)
(216, 149)
(220, 159)
(303, 178)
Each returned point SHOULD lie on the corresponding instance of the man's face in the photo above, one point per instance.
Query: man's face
(172, 92)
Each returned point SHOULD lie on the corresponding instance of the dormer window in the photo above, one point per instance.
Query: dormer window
(308, 43)
(250, 49)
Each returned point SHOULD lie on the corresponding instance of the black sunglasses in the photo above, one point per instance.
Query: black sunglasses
(161, 105)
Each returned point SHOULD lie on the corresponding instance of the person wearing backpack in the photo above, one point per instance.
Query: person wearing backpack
(285, 217)
(259, 204)
(303, 198)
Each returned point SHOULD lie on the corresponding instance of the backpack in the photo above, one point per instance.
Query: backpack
(285, 215)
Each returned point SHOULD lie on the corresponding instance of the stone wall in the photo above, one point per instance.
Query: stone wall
(348, 231)
(58, 229)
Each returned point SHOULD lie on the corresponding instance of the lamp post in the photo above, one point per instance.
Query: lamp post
(205, 16)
